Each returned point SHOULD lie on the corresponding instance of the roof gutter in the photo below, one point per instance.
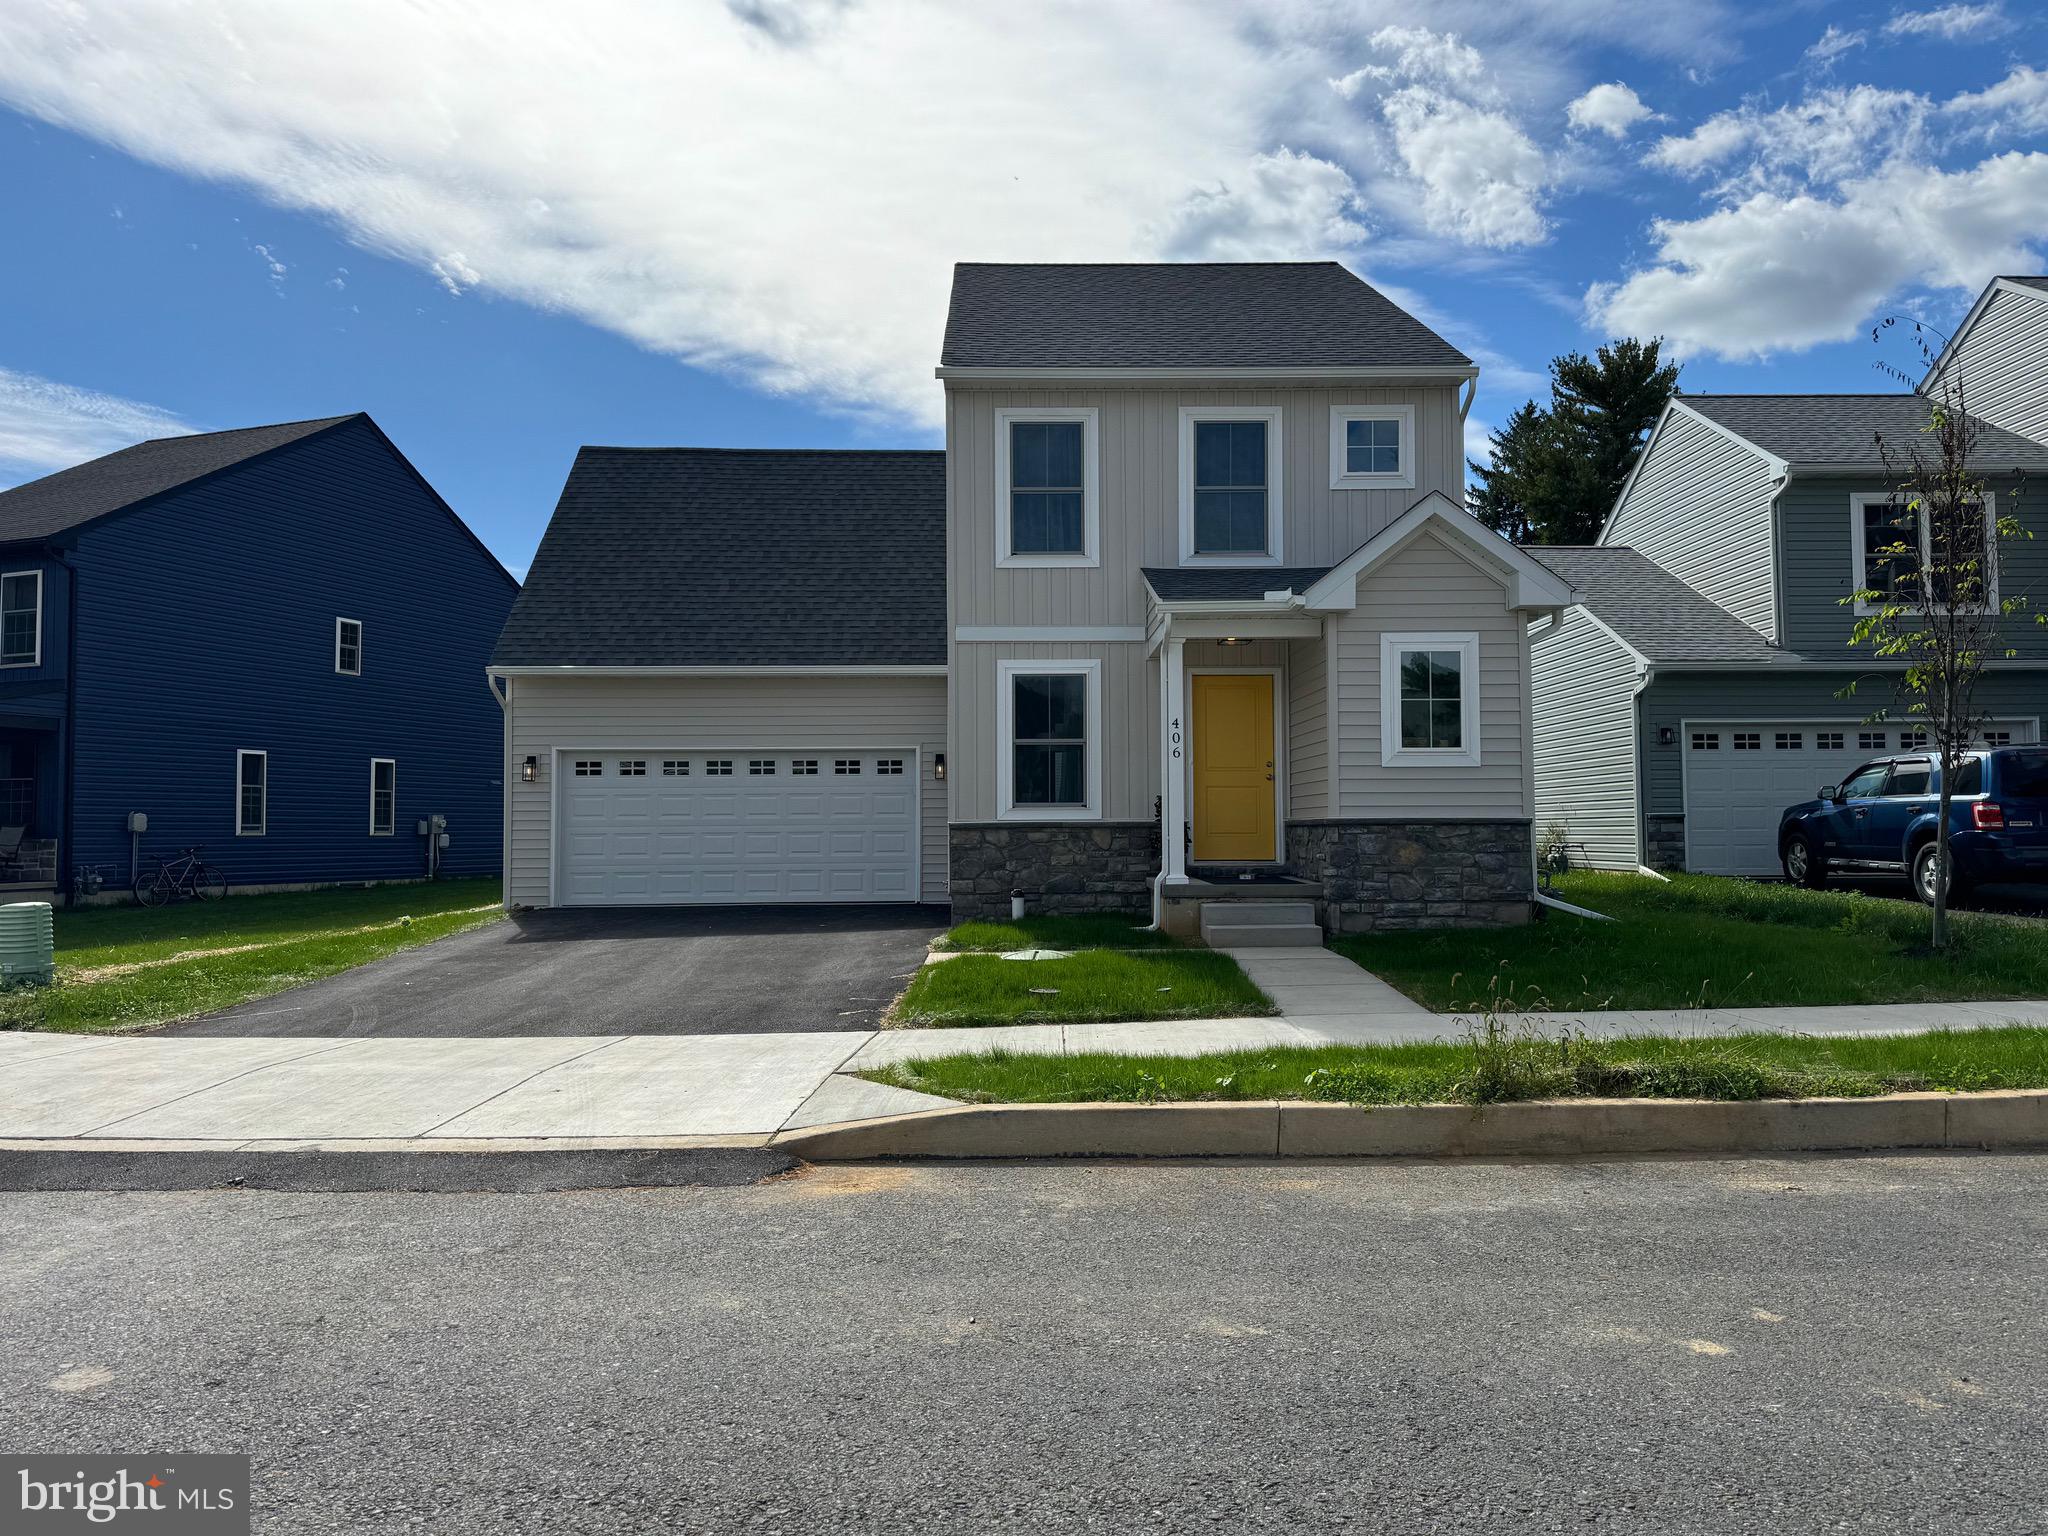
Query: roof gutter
(935, 670)
(1381, 372)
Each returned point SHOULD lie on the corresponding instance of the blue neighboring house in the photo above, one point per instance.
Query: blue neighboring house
(270, 642)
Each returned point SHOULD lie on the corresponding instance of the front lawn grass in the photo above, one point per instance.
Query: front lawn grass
(1503, 1070)
(1090, 987)
(129, 967)
(1091, 930)
(1702, 941)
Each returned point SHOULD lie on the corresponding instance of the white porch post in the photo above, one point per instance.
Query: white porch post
(1173, 749)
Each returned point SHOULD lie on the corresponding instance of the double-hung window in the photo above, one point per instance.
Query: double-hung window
(1047, 503)
(348, 647)
(1050, 721)
(1372, 447)
(383, 796)
(1429, 700)
(1896, 549)
(1230, 484)
(252, 793)
(21, 619)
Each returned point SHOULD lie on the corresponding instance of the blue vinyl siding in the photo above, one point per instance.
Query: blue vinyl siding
(206, 625)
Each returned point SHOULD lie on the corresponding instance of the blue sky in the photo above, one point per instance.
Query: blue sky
(507, 231)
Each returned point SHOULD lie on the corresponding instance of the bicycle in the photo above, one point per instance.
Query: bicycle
(186, 877)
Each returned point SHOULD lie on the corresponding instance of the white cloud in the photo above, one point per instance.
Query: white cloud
(1829, 135)
(45, 425)
(1951, 22)
(1612, 108)
(275, 268)
(1779, 273)
(1285, 206)
(2018, 103)
(1419, 54)
(1834, 42)
(1481, 177)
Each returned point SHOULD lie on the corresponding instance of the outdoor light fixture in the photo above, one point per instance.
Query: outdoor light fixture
(1667, 736)
(939, 765)
(531, 771)
(1233, 640)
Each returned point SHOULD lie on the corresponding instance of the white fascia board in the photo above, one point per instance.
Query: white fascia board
(1644, 666)
(1381, 373)
(938, 670)
(1531, 584)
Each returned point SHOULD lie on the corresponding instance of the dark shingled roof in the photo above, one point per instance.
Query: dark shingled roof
(723, 557)
(2031, 282)
(1175, 583)
(1304, 314)
(56, 503)
(1825, 431)
(1653, 610)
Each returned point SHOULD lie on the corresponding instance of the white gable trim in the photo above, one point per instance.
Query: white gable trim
(1676, 403)
(1996, 286)
(1530, 584)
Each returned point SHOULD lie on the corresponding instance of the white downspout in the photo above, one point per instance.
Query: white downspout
(1173, 869)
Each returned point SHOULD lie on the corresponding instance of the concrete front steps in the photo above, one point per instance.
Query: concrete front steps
(1261, 925)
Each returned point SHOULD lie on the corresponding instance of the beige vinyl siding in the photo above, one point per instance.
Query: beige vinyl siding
(701, 714)
(1130, 724)
(1308, 730)
(1139, 436)
(2001, 362)
(1700, 506)
(1429, 587)
(1583, 708)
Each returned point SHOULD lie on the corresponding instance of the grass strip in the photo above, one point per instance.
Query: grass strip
(1504, 1070)
(1088, 987)
(1092, 930)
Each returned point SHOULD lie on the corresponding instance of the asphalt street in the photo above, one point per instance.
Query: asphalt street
(1824, 1344)
(619, 971)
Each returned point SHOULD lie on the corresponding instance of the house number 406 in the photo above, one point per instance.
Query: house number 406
(1173, 737)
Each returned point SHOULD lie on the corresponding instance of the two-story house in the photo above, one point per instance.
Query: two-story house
(1188, 608)
(266, 642)
(1707, 680)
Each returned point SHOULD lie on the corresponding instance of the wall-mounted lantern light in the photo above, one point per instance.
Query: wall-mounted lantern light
(531, 770)
(939, 766)
(1667, 736)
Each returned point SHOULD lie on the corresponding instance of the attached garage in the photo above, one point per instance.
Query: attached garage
(1739, 775)
(658, 828)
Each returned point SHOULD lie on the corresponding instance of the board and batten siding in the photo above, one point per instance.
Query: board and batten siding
(1308, 729)
(1816, 524)
(1700, 506)
(1428, 587)
(1583, 713)
(700, 714)
(2001, 363)
(1139, 438)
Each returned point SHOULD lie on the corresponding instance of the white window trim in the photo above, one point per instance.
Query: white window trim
(37, 661)
(263, 827)
(1276, 504)
(1858, 500)
(344, 671)
(1392, 753)
(1006, 740)
(1091, 486)
(392, 830)
(1340, 478)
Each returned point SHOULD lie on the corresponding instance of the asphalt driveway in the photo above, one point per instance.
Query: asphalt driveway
(618, 971)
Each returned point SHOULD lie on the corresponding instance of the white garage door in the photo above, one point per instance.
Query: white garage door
(662, 828)
(1740, 776)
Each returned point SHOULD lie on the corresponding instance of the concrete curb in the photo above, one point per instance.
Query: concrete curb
(1557, 1128)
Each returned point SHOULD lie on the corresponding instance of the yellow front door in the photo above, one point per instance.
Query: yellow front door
(1232, 796)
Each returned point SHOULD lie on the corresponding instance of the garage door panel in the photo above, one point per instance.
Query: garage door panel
(767, 832)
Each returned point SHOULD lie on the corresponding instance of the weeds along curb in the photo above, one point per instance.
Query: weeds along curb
(1555, 1128)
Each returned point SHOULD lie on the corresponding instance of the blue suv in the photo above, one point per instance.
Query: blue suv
(1882, 818)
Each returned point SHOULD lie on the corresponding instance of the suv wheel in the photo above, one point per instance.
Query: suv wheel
(1803, 863)
(1922, 869)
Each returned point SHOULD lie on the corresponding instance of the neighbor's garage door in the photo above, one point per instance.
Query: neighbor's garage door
(657, 829)
(1740, 776)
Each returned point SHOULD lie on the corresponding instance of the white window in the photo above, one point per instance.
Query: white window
(1429, 700)
(1749, 741)
(1372, 447)
(1870, 741)
(1789, 741)
(761, 767)
(675, 768)
(1706, 741)
(846, 767)
(889, 765)
(1998, 738)
(632, 767)
(1049, 739)
(252, 793)
(1230, 485)
(348, 647)
(718, 767)
(1828, 741)
(804, 767)
(383, 796)
(21, 619)
(1048, 477)
(1912, 740)
(1891, 542)
(589, 768)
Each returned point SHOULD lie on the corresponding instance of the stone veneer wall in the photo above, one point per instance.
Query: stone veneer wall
(1064, 866)
(1664, 842)
(1415, 874)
